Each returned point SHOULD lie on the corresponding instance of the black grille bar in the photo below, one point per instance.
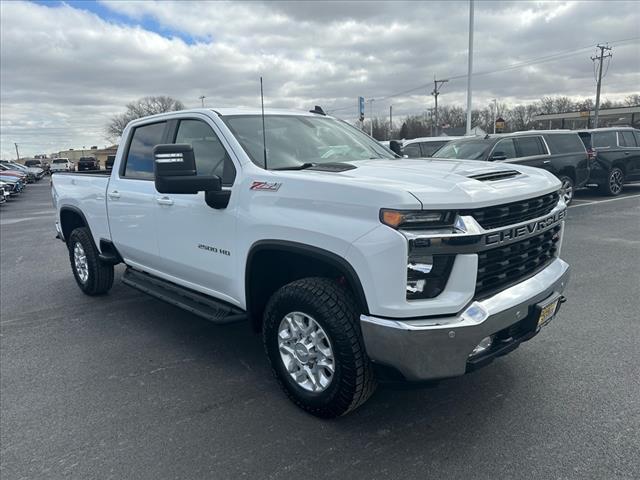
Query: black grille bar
(515, 212)
(503, 266)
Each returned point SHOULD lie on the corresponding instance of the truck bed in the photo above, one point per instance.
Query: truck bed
(84, 192)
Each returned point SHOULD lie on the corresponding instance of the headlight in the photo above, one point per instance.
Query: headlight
(416, 219)
(427, 275)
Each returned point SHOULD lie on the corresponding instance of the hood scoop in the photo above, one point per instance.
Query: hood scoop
(493, 176)
(335, 167)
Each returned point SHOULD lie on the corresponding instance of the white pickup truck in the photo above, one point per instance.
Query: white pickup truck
(356, 265)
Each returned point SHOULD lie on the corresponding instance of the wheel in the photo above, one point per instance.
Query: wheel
(568, 188)
(614, 182)
(92, 275)
(312, 337)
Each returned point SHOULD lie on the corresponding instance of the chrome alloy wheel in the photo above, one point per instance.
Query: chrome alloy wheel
(567, 191)
(306, 352)
(615, 181)
(80, 261)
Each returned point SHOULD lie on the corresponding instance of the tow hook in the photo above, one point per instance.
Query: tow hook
(563, 299)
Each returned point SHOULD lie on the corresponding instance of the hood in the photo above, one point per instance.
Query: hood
(453, 183)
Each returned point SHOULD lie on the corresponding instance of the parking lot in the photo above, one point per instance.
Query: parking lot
(125, 386)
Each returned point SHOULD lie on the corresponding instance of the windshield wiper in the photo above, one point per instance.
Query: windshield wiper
(303, 166)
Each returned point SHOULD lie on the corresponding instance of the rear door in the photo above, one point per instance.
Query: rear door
(197, 242)
(533, 152)
(131, 198)
(631, 150)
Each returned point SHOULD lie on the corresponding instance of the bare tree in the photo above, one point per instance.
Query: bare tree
(141, 108)
(632, 100)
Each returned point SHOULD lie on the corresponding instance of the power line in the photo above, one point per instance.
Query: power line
(524, 63)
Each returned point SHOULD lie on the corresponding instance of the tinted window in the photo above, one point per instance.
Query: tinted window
(505, 147)
(627, 138)
(604, 139)
(464, 149)
(565, 143)
(60, 160)
(637, 135)
(586, 138)
(211, 156)
(530, 146)
(140, 156)
(429, 148)
(412, 150)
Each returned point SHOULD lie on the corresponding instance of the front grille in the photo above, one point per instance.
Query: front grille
(501, 267)
(515, 212)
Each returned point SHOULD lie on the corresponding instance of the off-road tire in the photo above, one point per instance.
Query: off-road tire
(100, 274)
(334, 308)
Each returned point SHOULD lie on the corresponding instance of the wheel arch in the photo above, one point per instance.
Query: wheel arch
(71, 218)
(286, 261)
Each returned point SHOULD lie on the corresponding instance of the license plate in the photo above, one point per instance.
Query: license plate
(547, 313)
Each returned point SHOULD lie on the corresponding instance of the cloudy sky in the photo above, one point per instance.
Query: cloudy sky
(67, 67)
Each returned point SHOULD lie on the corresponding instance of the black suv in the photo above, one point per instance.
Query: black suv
(616, 157)
(559, 151)
(88, 163)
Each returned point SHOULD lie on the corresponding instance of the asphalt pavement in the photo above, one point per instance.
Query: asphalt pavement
(125, 386)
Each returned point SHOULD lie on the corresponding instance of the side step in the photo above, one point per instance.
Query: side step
(197, 303)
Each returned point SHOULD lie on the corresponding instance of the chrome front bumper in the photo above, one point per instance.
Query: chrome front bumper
(438, 347)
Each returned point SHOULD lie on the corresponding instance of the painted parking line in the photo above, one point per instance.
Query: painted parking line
(605, 201)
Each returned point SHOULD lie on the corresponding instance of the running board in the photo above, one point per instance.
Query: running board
(197, 303)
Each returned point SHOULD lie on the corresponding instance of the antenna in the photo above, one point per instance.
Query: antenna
(264, 134)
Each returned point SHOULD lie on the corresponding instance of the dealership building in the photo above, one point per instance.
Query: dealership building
(608, 117)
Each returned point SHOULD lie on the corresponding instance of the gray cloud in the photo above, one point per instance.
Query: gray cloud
(65, 71)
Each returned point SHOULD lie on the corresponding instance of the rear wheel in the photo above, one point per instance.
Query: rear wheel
(92, 275)
(567, 189)
(614, 182)
(312, 337)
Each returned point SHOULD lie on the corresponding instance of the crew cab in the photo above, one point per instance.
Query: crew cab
(88, 163)
(355, 265)
(616, 157)
(559, 151)
(62, 165)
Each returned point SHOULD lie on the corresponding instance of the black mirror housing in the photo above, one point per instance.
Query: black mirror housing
(395, 147)
(497, 156)
(175, 171)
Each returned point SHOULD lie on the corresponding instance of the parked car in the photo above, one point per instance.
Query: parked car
(33, 174)
(3, 195)
(62, 165)
(12, 184)
(354, 265)
(37, 163)
(13, 173)
(559, 151)
(88, 163)
(424, 146)
(615, 154)
(108, 164)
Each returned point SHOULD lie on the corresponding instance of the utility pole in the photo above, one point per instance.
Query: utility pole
(371, 100)
(17, 153)
(600, 58)
(390, 120)
(495, 114)
(470, 72)
(436, 91)
(202, 97)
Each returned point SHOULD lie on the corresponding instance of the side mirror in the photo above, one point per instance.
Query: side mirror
(497, 156)
(175, 171)
(395, 147)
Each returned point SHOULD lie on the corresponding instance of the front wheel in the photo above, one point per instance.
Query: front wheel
(92, 275)
(567, 189)
(312, 337)
(613, 184)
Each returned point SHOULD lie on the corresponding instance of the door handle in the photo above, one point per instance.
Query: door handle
(547, 162)
(114, 194)
(626, 153)
(164, 201)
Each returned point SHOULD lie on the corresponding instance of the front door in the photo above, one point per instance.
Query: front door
(196, 241)
(131, 199)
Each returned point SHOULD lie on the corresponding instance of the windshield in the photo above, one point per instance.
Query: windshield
(464, 149)
(294, 140)
(60, 160)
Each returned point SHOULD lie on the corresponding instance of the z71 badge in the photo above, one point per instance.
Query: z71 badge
(265, 186)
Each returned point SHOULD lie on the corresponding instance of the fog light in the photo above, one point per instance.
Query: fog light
(482, 347)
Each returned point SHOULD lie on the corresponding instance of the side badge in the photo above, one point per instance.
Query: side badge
(265, 186)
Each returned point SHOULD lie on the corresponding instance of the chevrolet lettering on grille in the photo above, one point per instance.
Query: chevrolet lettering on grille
(523, 230)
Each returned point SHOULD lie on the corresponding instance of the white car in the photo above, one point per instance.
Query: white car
(62, 165)
(354, 265)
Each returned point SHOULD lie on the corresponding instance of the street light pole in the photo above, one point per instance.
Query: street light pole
(371, 100)
(202, 97)
(470, 69)
(495, 114)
